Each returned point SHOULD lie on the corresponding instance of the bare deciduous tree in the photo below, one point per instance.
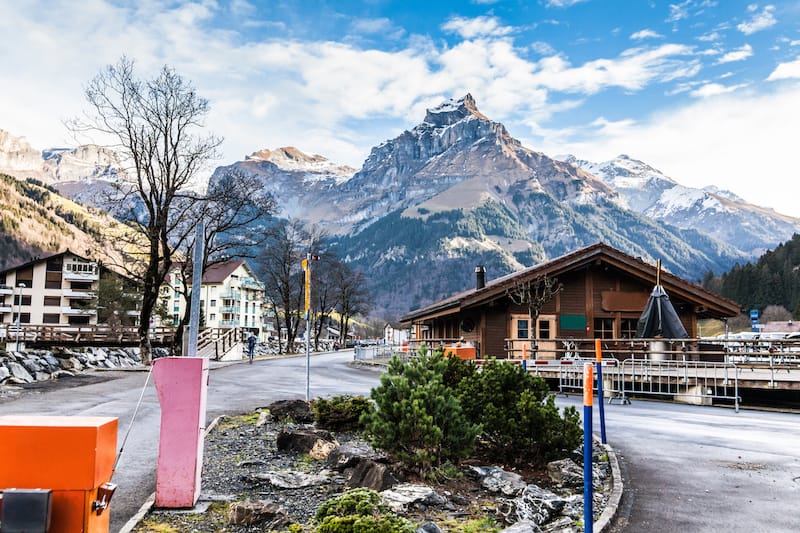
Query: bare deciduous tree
(352, 296)
(534, 294)
(155, 126)
(280, 269)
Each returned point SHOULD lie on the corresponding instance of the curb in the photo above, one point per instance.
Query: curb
(610, 511)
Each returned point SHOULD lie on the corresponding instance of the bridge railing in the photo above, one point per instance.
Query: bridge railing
(82, 334)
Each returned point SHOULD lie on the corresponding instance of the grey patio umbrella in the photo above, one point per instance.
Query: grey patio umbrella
(659, 318)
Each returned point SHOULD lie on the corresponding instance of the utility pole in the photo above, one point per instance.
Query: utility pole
(197, 283)
(19, 311)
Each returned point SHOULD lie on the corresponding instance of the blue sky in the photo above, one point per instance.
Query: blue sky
(707, 91)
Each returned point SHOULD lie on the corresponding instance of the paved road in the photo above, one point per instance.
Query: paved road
(704, 469)
(687, 469)
(232, 389)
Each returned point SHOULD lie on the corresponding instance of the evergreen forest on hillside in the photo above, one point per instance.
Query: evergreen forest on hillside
(773, 280)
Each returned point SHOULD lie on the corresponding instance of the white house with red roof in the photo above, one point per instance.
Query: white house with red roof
(231, 296)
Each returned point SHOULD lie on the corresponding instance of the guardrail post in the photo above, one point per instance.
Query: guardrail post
(598, 349)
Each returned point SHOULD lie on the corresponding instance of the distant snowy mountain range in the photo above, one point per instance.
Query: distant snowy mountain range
(458, 190)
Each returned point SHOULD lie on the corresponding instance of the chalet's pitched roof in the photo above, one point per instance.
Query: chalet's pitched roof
(635, 267)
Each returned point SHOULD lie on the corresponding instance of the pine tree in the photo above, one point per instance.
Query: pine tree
(418, 418)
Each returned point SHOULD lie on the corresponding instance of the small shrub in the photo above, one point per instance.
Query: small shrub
(418, 418)
(341, 413)
(520, 419)
(359, 511)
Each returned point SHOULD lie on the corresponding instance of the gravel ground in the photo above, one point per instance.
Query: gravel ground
(237, 449)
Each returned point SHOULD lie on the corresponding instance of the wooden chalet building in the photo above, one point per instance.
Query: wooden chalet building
(603, 293)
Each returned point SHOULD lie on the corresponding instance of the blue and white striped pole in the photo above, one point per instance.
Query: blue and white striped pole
(588, 380)
(598, 350)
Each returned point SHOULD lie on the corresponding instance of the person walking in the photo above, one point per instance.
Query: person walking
(251, 346)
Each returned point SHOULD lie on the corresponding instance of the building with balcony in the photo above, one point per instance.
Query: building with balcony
(230, 296)
(60, 289)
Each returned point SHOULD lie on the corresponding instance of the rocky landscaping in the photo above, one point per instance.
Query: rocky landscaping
(273, 469)
(23, 368)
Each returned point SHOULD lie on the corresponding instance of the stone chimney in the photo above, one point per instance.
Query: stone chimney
(480, 277)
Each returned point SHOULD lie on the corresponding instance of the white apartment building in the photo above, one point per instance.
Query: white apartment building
(59, 289)
(230, 296)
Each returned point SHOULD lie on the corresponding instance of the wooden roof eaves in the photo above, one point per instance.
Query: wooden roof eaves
(635, 267)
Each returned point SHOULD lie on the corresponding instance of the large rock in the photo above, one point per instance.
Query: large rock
(270, 516)
(305, 441)
(371, 475)
(290, 479)
(538, 505)
(19, 373)
(296, 410)
(403, 496)
(565, 472)
(4, 373)
(496, 479)
(349, 454)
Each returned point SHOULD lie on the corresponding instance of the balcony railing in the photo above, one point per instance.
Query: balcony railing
(6, 309)
(231, 309)
(228, 323)
(252, 284)
(74, 311)
(6, 289)
(69, 275)
(84, 295)
(232, 295)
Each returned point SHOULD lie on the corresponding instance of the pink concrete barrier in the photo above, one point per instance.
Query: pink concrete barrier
(182, 385)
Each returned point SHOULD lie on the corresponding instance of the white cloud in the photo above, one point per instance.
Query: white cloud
(470, 28)
(633, 69)
(713, 89)
(710, 37)
(563, 3)
(737, 141)
(759, 21)
(678, 11)
(646, 34)
(785, 71)
(740, 54)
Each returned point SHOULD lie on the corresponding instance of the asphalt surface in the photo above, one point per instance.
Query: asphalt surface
(686, 468)
(232, 389)
(703, 469)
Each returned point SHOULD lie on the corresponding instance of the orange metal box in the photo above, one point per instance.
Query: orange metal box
(71, 455)
(462, 352)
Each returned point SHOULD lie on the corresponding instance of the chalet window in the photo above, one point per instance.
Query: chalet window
(627, 328)
(603, 328)
(79, 320)
(522, 328)
(212, 316)
(51, 318)
(26, 299)
(544, 330)
(81, 285)
(52, 301)
(25, 318)
(213, 303)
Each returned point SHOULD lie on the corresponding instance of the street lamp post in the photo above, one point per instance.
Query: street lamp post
(19, 310)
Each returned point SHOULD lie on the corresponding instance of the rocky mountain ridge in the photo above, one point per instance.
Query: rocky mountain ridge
(720, 213)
